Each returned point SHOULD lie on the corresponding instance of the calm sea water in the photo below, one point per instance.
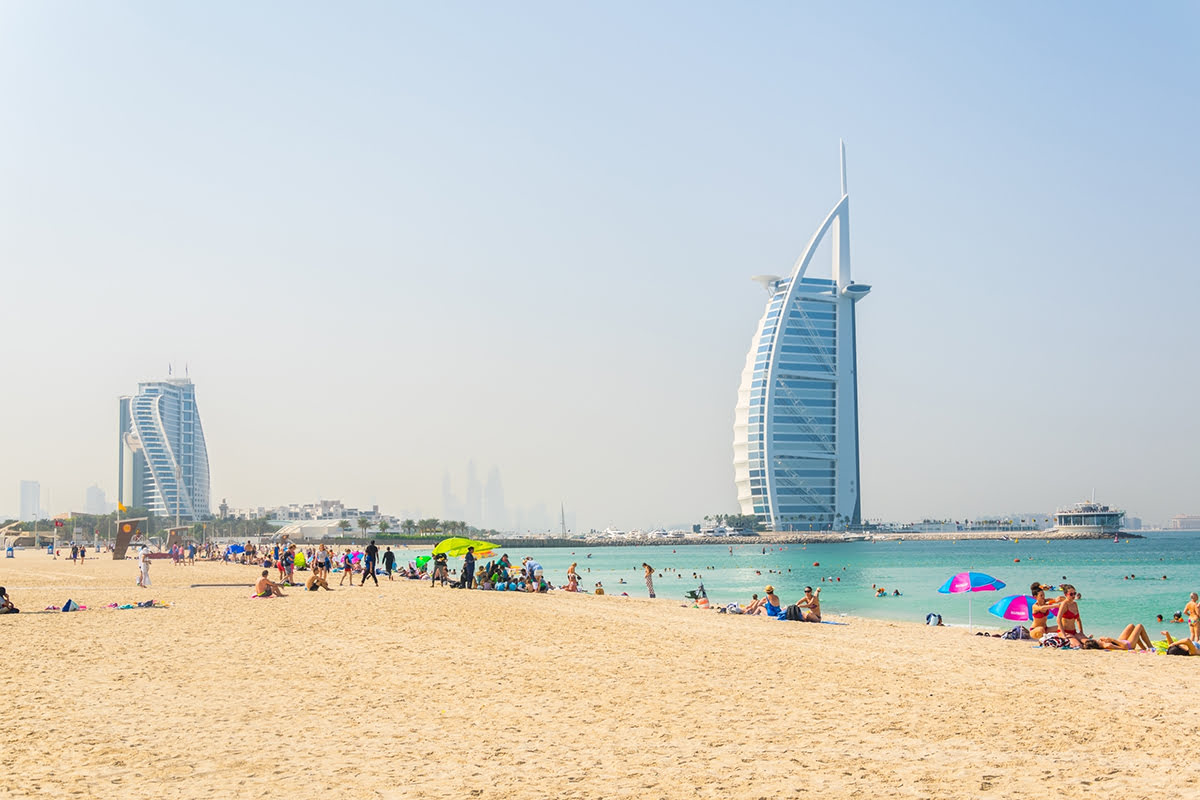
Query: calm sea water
(1097, 568)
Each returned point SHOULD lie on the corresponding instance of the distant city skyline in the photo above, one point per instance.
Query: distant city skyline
(404, 237)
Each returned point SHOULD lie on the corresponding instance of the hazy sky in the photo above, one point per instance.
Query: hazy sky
(388, 238)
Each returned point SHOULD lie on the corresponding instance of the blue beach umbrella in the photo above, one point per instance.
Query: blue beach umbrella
(971, 582)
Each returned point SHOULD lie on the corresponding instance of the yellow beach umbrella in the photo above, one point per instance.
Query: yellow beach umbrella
(456, 546)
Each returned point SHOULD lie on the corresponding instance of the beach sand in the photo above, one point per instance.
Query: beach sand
(407, 691)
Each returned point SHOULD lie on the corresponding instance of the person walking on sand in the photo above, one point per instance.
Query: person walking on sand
(143, 561)
(369, 559)
(389, 562)
(649, 570)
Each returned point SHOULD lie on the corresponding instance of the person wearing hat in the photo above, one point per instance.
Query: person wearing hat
(770, 605)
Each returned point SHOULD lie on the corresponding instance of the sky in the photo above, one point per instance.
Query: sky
(387, 239)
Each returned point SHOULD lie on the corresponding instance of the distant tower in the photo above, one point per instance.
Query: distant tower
(163, 461)
(795, 440)
(31, 501)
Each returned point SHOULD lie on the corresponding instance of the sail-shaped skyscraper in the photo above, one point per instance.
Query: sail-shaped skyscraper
(795, 431)
(163, 460)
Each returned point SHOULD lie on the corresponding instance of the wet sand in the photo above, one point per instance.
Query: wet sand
(408, 691)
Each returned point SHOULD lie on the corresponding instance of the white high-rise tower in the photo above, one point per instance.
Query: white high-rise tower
(795, 431)
(163, 460)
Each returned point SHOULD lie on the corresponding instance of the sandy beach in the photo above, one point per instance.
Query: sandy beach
(410, 691)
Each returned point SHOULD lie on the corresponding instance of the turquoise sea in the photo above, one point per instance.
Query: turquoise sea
(1097, 568)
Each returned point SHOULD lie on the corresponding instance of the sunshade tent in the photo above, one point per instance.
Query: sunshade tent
(969, 583)
(456, 546)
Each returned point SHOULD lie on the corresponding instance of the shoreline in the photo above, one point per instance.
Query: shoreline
(460, 693)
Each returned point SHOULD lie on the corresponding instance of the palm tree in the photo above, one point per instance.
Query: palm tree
(363, 524)
(408, 526)
(383, 527)
(344, 525)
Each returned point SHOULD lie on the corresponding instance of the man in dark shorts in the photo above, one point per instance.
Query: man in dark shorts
(389, 562)
(370, 558)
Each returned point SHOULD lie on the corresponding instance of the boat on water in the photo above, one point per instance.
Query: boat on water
(1088, 519)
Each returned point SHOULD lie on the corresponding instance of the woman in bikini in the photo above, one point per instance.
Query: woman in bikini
(811, 605)
(1192, 612)
(1070, 626)
(1134, 637)
(1041, 610)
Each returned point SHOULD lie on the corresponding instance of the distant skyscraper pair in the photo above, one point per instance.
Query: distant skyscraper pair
(795, 446)
(163, 461)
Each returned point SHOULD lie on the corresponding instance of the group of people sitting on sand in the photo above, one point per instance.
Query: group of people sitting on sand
(806, 609)
(1069, 631)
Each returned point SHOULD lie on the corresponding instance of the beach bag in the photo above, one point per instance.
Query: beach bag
(1018, 632)
(1055, 641)
(794, 613)
(70, 605)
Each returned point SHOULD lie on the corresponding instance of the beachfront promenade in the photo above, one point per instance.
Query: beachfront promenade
(410, 691)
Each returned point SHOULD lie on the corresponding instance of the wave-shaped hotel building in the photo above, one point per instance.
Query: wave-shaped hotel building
(163, 461)
(795, 446)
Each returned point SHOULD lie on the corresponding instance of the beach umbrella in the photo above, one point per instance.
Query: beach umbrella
(971, 582)
(1018, 607)
(421, 561)
(456, 546)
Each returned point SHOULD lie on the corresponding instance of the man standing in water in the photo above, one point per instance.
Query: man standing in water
(369, 558)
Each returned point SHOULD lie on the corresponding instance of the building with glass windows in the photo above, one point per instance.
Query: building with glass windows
(163, 461)
(795, 445)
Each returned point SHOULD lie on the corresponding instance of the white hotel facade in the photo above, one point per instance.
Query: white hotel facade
(795, 445)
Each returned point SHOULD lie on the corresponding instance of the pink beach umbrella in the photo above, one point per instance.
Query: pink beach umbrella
(1017, 607)
(971, 582)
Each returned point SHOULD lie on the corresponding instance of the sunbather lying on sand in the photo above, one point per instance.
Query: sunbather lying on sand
(1180, 647)
(1134, 637)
